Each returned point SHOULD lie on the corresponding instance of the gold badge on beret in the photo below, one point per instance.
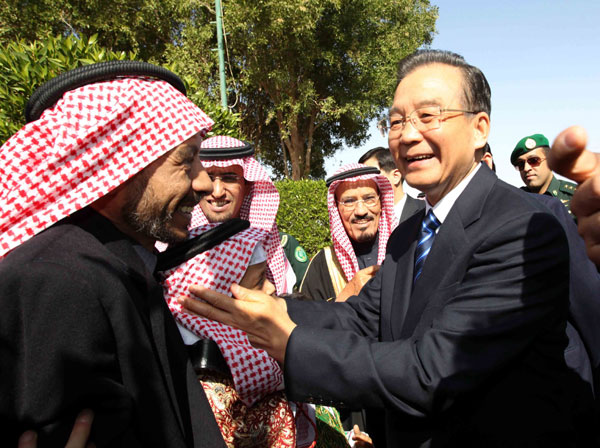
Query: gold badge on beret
(530, 143)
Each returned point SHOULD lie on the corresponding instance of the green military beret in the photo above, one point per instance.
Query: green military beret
(527, 144)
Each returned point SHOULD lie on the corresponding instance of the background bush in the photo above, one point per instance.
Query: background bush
(25, 66)
(303, 213)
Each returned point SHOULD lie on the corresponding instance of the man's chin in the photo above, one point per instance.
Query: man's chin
(218, 217)
(365, 237)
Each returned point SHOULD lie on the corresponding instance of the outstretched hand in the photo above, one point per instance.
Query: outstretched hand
(264, 318)
(570, 158)
(354, 286)
(78, 438)
(361, 439)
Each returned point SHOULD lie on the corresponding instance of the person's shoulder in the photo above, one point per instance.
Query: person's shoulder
(506, 197)
(63, 244)
(293, 248)
(288, 241)
(319, 256)
(567, 187)
(508, 207)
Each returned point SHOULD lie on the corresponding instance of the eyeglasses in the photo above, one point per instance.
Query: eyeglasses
(226, 178)
(423, 119)
(351, 203)
(531, 161)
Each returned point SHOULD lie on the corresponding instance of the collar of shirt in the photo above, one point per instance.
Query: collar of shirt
(553, 187)
(399, 206)
(443, 207)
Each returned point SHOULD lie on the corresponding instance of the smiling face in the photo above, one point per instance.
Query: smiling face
(229, 190)
(157, 203)
(361, 222)
(435, 161)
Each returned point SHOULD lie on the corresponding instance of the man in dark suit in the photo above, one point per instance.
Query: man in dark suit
(404, 205)
(460, 335)
(89, 184)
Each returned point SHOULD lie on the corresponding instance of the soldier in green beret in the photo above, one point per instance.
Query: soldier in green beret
(529, 157)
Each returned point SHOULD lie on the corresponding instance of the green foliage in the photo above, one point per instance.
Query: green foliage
(312, 74)
(303, 213)
(305, 77)
(143, 26)
(226, 121)
(25, 66)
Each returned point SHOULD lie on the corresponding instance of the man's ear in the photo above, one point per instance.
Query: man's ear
(481, 129)
(397, 176)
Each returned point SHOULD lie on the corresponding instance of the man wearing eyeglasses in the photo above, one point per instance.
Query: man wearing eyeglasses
(529, 157)
(404, 205)
(360, 202)
(460, 334)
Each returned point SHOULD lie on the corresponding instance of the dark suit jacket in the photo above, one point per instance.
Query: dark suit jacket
(411, 207)
(472, 355)
(84, 324)
(583, 352)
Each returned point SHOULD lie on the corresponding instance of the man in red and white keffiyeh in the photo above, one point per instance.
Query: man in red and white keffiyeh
(361, 214)
(108, 166)
(242, 188)
(252, 408)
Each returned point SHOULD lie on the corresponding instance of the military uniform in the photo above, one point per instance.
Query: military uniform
(560, 189)
(296, 255)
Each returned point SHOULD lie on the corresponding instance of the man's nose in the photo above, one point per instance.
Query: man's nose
(218, 188)
(410, 133)
(201, 182)
(360, 209)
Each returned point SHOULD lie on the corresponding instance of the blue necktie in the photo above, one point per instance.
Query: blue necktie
(426, 235)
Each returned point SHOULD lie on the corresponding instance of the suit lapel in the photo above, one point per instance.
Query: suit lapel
(397, 279)
(448, 244)
(411, 207)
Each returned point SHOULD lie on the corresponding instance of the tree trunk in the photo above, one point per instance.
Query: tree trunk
(309, 143)
(286, 170)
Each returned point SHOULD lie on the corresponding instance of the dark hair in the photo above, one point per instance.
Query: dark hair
(477, 93)
(487, 149)
(384, 158)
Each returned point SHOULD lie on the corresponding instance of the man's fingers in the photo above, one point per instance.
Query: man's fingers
(373, 269)
(569, 157)
(28, 440)
(81, 430)
(589, 228)
(216, 299)
(586, 200)
(207, 310)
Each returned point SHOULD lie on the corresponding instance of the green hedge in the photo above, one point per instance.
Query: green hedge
(303, 213)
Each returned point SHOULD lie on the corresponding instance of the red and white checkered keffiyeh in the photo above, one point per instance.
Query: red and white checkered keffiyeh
(259, 207)
(254, 372)
(341, 243)
(91, 141)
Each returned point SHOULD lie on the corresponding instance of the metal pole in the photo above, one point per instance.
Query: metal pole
(221, 54)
